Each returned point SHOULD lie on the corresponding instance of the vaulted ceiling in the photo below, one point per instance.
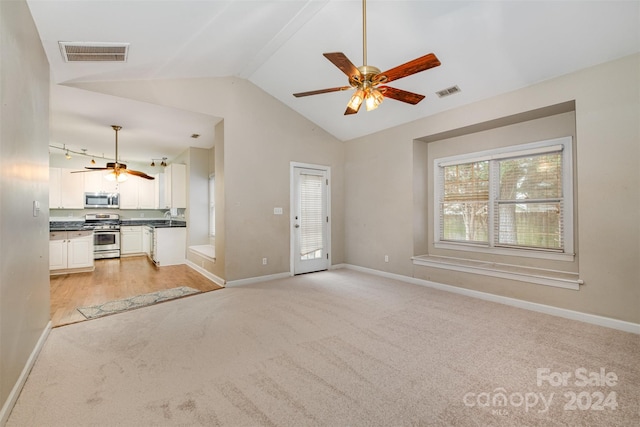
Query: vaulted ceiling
(486, 48)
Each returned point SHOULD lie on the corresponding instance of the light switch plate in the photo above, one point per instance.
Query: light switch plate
(277, 211)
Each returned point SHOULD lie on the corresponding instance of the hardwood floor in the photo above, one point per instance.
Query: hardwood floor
(115, 279)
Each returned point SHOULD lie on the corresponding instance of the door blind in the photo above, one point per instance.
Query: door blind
(311, 226)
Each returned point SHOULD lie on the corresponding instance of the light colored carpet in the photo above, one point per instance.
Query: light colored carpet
(337, 348)
(131, 303)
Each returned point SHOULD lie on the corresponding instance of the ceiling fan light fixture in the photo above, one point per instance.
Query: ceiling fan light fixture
(116, 176)
(67, 155)
(373, 99)
(356, 100)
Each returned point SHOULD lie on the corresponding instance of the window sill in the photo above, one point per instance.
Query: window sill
(559, 279)
(556, 256)
(205, 251)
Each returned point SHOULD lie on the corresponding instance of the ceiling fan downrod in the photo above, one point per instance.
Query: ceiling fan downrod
(116, 128)
(364, 33)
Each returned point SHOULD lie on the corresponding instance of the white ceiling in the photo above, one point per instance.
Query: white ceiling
(486, 48)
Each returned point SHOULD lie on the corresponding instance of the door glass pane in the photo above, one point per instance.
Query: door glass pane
(311, 217)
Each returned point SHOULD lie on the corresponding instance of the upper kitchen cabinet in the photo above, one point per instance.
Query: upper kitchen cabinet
(139, 193)
(94, 182)
(66, 189)
(175, 186)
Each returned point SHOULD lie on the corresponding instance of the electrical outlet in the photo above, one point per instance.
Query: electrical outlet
(386, 258)
(264, 261)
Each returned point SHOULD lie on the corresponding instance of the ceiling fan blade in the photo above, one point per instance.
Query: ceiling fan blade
(406, 69)
(350, 110)
(341, 61)
(91, 170)
(401, 95)
(317, 92)
(137, 173)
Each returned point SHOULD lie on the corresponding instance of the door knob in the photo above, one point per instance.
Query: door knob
(297, 226)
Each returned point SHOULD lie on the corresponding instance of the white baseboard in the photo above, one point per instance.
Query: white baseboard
(17, 387)
(527, 305)
(250, 280)
(209, 275)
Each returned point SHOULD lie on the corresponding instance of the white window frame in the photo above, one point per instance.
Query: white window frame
(540, 147)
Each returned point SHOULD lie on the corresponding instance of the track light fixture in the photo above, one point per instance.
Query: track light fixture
(163, 163)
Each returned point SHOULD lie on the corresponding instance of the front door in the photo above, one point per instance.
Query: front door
(310, 219)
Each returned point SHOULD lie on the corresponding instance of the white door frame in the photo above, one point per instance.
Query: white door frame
(292, 210)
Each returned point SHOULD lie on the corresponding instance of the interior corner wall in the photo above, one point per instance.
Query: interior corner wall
(198, 196)
(24, 179)
(218, 164)
(607, 107)
(261, 137)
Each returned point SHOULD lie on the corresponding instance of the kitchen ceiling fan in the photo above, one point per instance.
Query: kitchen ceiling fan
(119, 171)
(369, 82)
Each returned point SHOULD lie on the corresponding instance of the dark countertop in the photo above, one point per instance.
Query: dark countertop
(67, 226)
(155, 223)
(79, 225)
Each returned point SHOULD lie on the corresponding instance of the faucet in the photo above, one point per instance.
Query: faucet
(167, 214)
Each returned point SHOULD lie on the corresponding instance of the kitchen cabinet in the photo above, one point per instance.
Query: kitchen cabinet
(95, 182)
(175, 186)
(71, 250)
(169, 246)
(138, 193)
(66, 189)
(130, 240)
(147, 240)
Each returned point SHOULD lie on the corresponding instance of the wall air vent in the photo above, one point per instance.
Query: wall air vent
(448, 91)
(94, 51)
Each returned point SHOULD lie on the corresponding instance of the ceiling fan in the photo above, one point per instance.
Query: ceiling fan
(119, 171)
(367, 80)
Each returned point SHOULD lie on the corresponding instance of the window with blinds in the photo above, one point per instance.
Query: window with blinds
(312, 217)
(518, 197)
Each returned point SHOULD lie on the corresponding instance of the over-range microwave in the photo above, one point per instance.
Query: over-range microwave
(102, 200)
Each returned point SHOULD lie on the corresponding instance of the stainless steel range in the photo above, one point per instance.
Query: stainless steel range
(106, 234)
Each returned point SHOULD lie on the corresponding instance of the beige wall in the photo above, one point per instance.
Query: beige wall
(607, 105)
(261, 137)
(24, 178)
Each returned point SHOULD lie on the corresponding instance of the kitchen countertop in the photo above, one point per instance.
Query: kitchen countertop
(68, 226)
(155, 223)
(79, 225)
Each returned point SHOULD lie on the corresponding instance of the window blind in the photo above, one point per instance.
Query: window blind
(529, 201)
(311, 218)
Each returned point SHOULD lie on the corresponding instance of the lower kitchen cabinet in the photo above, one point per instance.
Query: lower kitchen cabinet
(131, 240)
(147, 240)
(71, 250)
(169, 246)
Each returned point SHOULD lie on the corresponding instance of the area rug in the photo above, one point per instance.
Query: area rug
(137, 301)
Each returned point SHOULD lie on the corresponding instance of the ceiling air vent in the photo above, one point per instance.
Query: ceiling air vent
(94, 52)
(448, 91)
